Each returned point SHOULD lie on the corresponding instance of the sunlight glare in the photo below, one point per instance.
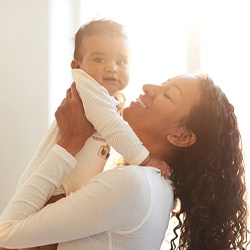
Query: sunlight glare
(158, 39)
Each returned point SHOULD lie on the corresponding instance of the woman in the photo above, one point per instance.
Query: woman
(187, 122)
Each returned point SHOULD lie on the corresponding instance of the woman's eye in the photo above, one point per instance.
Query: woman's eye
(99, 60)
(167, 96)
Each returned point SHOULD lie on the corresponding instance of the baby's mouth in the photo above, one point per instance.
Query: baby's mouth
(111, 79)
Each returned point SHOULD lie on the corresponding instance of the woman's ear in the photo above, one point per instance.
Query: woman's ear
(75, 64)
(182, 137)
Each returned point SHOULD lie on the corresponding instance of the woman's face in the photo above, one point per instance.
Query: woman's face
(160, 109)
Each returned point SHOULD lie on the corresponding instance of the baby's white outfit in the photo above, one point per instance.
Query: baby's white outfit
(100, 109)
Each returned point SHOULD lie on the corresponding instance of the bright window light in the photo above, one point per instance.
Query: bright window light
(157, 36)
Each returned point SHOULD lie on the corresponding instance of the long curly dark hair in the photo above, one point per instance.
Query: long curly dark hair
(209, 177)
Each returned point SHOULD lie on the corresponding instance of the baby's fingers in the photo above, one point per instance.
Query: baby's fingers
(165, 170)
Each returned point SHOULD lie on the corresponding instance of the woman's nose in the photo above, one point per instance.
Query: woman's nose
(150, 89)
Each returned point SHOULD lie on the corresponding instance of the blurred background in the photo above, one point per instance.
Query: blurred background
(168, 37)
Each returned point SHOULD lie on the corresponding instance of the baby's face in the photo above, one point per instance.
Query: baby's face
(107, 60)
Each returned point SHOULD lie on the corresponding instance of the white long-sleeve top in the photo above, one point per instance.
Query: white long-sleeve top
(123, 208)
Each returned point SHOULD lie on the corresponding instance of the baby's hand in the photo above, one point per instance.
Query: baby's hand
(162, 165)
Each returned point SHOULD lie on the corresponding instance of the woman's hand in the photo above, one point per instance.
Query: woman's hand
(74, 128)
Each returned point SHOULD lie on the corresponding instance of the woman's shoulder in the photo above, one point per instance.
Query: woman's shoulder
(125, 179)
(134, 177)
(125, 174)
(140, 186)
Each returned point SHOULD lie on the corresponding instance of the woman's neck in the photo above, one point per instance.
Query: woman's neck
(159, 149)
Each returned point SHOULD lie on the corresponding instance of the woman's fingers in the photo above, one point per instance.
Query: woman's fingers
(71, 93)
(68, 94)
(74, 127)
(74, 92)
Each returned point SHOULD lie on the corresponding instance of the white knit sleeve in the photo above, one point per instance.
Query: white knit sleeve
(26, 223)
(31, 197)
(100, 110)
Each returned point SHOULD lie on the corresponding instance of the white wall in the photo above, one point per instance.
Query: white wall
(23, 87)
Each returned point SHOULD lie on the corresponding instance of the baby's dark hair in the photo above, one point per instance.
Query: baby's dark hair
(96, 27)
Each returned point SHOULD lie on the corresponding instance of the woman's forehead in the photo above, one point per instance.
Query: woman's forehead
(180, 78)
(187, 85)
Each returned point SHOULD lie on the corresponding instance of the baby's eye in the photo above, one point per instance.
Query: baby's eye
(99, 60)
(121, 62)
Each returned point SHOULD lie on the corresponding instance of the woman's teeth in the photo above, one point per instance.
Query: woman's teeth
(138, 100)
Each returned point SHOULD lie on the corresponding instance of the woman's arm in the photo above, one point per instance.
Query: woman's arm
(74, 128)
(117, 192)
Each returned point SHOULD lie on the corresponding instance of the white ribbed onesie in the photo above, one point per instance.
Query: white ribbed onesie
(123, 208)
(100, 110)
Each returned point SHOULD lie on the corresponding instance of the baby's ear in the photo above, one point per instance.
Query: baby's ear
(182, 137)
(75, 64)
